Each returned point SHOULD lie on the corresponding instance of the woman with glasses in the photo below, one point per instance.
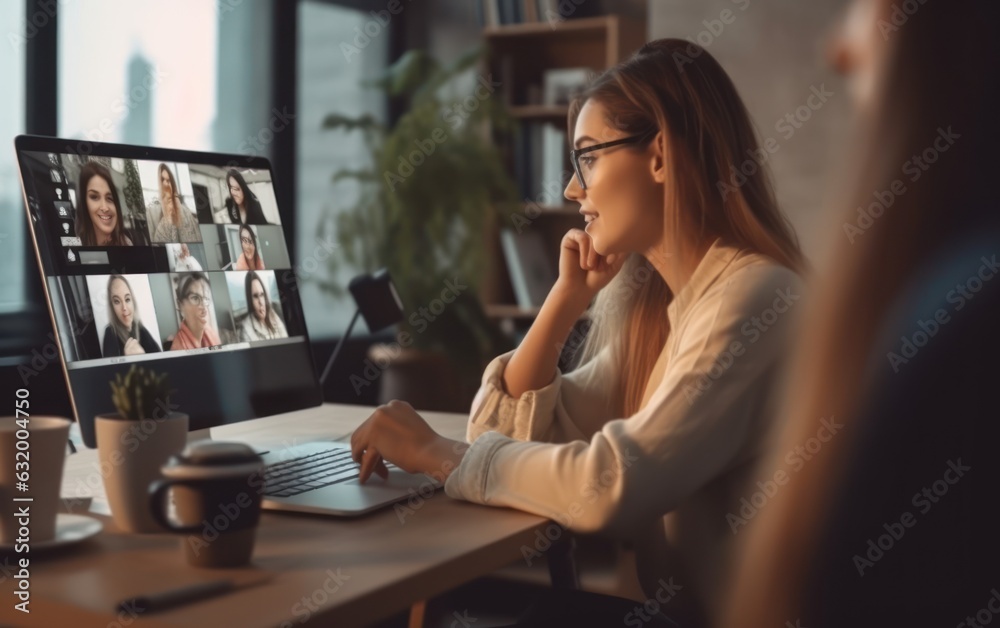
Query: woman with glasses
(194, 301)
(261, 322)
(695, 272)
(249, 259)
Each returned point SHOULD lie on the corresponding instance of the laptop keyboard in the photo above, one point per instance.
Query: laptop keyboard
(298, 475)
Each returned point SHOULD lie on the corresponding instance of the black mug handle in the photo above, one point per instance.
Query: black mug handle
(156, 493)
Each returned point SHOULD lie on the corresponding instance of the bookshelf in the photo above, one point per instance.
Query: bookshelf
(597, 42)
(519, 56)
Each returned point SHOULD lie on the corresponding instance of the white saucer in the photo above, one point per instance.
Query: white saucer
(70, 529)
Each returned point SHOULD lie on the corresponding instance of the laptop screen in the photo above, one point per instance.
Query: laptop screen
(175, 261)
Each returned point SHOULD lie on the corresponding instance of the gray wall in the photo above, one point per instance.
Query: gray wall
(773, 50)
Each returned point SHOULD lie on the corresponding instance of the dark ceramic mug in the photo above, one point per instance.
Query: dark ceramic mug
(216, 504)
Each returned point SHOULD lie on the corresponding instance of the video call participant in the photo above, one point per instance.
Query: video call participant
(261, 323)
(99, 220)
(184, 261)
(194, 299)
(125, 333)
(243, 206)
(249, 259)
(177, 222)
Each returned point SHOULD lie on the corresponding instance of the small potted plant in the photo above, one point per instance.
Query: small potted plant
(135, 441)
(431, 187)
(140, 394)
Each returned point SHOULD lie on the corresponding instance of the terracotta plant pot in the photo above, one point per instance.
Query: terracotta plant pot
(131, 454)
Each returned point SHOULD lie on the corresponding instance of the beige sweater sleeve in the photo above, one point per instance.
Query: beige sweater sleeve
(571, 407)
(620, 471)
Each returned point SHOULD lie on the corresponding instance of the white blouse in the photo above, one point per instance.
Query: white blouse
(667, 476)
(253, 330)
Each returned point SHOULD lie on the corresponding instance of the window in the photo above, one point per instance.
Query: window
(329, 82)
(12, 217)
(197, 74)
(192, 74)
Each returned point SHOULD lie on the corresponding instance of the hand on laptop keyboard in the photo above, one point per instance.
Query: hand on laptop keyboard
(298, 475)
(396, 433)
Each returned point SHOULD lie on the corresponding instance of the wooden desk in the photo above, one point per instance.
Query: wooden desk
(326, 571)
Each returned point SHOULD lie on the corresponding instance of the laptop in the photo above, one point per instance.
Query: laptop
(132, 274)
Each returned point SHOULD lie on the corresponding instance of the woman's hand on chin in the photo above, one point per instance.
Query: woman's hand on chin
(582, 270)
(396, 433)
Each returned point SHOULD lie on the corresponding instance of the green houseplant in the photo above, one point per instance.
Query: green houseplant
(434, 186)
(140, 394)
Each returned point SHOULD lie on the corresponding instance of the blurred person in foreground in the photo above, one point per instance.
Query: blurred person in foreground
(892, 522)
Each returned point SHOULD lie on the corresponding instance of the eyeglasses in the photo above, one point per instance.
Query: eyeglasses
(246, 240)
(581, 170)
(197, 300)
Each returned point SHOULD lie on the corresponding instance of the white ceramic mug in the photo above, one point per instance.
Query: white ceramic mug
(39, 464)
(131, 454)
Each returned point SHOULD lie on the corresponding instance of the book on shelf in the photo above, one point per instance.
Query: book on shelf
(540, 162)
(553, 160)
(490, 12)
(510, 11)
(536, 155)
(561, 85)
(530, 271)
(493, 13)
(530, 10)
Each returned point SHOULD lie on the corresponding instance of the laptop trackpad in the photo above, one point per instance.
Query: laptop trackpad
(352, 498)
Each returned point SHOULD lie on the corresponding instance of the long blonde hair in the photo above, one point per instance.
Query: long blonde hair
(122, 332)
(718, 188)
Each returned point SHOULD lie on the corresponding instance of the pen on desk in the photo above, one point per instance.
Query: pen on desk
(162, 600)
